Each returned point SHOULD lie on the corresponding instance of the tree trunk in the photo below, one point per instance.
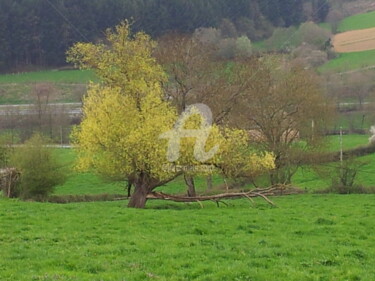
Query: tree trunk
(144, 184)
(129, 188)
(209, 182)
(189, 180)
(139, 197)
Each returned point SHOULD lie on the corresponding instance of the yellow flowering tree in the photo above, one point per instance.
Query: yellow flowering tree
(128, 126)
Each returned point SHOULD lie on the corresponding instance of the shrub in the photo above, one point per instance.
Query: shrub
(243, 47)
(341, 189)
(343, 176)
(282, 39)
(5, 148)
(40, 170)
(355, 189)
(64, 199)
(312, 34)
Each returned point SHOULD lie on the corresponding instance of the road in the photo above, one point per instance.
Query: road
(71, 109)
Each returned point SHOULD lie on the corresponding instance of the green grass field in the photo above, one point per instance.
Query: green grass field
(68, 85)
(348, 141)
(360, 21)
(22, 93)
(349, 61)
(308, 180)
(55, 76)
(308, 237)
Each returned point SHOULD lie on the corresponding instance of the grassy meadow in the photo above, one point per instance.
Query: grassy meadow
(349, 61)
(308, 237)
(54, 76)
(360, 21)
(68, 85)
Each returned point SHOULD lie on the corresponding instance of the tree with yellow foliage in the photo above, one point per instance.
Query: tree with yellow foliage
(128, 126)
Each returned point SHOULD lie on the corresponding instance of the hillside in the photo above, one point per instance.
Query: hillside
(38, 32)
(355, 44)
(349, 62)
(359, 21)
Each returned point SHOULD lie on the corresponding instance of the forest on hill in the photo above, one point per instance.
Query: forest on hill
(38, 32)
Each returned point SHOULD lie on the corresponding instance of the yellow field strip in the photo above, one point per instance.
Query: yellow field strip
(354, 41)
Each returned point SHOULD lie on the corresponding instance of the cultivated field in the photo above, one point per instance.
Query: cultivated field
(355, 41)
(352, 49)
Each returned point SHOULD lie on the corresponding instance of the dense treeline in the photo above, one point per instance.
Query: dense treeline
(38, 32)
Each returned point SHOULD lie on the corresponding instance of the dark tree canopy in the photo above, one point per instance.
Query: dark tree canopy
(38, 32)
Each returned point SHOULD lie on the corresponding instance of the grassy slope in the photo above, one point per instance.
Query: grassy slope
(349, 61)
(348, 141)
(360, 21)
(355, 60)
(308, 237)
(63, 76)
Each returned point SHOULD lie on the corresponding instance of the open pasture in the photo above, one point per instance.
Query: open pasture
(54, 76)
(307, 237)
(359, 21)
(346, 62)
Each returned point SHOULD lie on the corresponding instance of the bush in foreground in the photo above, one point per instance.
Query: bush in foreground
(39, 168)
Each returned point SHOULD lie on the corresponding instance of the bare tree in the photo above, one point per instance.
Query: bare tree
(188, 63)
(50, 118)
(286, 108)
(333, 18)
(42, 94)
(196, 75)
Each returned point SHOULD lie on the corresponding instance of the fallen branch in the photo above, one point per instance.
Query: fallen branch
(9, 178)
(263, 193)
